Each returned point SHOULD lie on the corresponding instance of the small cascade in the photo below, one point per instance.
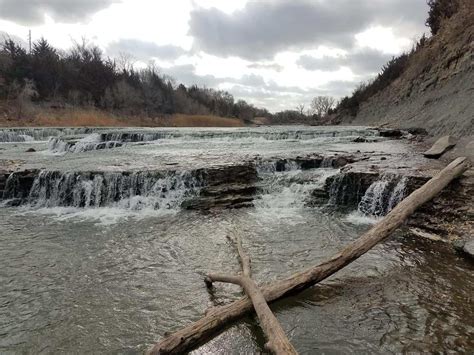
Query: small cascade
(152, 135)
(74, 145)
(7, 136)
(372, 194)
(346, 189)
(286, 189)
(41, 134)
(398, 193)
(134, 191)
(328, 162)
(383, 195)
(149, 134)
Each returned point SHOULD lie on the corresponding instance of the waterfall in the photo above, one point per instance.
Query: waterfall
(373, 195)
(8, 136)
(91, 142)
(152, 134)
(383, 195)
(328, 162)
(296, 134)
(134, 191)
(42, 134)
(286, 189)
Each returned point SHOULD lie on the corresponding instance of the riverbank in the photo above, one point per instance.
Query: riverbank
(99, 118)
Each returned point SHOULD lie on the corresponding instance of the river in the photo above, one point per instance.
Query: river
(102, 256)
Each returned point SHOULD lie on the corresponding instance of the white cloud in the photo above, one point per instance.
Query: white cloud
(264, 67)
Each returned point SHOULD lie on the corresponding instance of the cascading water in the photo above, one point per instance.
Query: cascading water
(91, 142)
(398, 193)
(42, 134)
(383, 195)
(8, 136)
(237, 134)
(372, 198)
(133, 191)
(286, 188)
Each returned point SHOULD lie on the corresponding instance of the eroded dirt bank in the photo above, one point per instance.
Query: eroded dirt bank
(436, 91)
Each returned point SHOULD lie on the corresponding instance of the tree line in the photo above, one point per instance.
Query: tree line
(84, 77)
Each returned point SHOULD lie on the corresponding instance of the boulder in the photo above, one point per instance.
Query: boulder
(31, 150)
(440, 147)
(360, 140)
(390, 132)
(468, 248)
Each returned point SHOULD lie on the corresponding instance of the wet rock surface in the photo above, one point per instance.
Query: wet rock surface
(229, 178)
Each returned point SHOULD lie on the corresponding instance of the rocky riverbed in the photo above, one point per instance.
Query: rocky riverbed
(128, 222)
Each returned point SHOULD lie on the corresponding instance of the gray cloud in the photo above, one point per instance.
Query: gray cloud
(251, 87)
(338, 88)
(144, 50)
(268, 66)
(186, 74)
(361, 62)
(262, 28)
(32, 12)
(312, 63)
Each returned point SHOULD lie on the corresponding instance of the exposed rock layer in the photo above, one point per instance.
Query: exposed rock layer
(436, 91)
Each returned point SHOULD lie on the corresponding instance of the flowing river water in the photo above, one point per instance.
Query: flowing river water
(101, 256)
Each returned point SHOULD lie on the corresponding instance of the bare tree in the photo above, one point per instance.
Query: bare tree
(125, 62)
(321, 105)
(300, 109)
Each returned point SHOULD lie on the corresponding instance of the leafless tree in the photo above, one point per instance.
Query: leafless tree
(300, 109)
(125, 62)
(321, 105)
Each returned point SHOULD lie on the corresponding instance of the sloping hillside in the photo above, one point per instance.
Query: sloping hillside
(436, 90)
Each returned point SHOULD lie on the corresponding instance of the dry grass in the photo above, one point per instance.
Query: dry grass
(181, 120)
(76, 118)
(98, 118)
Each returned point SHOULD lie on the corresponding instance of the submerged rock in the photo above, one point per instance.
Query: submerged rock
(31, 150)
(440, 147)
(390, 133)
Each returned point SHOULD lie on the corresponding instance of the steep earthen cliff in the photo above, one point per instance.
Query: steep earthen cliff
(436, 91)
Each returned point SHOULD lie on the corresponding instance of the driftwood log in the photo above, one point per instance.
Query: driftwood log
(216, 320)
(278, 342)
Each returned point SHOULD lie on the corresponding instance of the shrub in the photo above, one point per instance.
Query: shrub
(440, 10)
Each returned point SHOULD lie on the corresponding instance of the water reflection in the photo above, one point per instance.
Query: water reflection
(77, 286)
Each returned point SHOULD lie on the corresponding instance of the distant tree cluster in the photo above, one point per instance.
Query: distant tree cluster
(83, 77)
(322, 105)
(440, 10)
(319, 108)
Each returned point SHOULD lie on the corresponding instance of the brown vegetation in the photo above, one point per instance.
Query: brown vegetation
(92, 117)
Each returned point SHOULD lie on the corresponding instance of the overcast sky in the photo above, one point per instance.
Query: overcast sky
(272, 53)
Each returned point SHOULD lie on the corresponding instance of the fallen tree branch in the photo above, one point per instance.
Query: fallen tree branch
(278, 342)
(215, 321)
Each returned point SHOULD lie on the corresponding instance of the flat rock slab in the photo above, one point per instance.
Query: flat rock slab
(440, 147)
